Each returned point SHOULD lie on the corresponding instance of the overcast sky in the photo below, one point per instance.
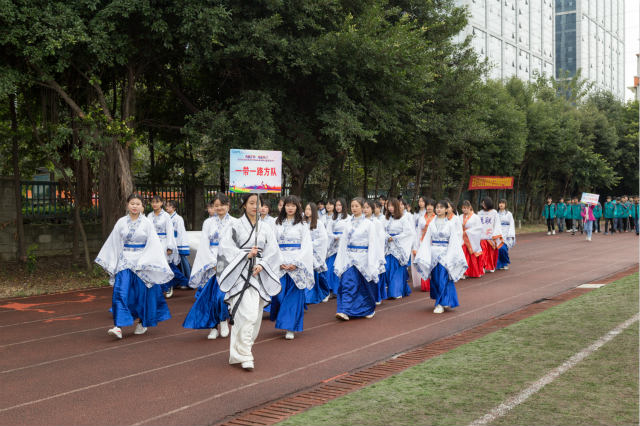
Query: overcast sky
(631, 42)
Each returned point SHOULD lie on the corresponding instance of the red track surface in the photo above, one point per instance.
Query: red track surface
(58, 366)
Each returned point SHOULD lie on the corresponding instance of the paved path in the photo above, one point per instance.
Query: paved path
(58, 366)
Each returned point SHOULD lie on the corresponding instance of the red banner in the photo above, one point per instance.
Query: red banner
(491, 182)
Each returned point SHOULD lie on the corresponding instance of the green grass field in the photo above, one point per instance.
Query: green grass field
(467, 382)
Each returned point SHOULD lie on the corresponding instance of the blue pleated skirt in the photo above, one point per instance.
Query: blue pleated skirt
(443, 289)
(332, 278)
(185, 267)
(356, 296)
(396, 278)
(381, 287)
(179, 279)
(319, 291)
(133, 299)
(503, 257)
(209, 308)
(287, 308)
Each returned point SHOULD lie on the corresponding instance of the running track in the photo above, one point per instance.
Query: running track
(58, 366)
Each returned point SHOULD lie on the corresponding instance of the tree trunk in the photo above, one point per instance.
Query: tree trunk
(223, 186)
(418, 186)
(15, 148)
(378, 178)
(115, 184)
(83, 235)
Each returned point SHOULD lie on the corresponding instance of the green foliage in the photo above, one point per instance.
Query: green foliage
(32, 260)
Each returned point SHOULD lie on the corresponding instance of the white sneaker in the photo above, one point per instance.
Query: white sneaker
(463, 278)
(326, 299)
(289, 335)
(370, 315)
(548, 232)
(438, 310)
(184, 287)
(506, 268)
(491, 270)
(247, 365)
(224, 328)
(342, 316)
(213, 334)
(115, 332)
(399, 297)
(140, 329)
(553, 232)
(169, 293)
(379, 302)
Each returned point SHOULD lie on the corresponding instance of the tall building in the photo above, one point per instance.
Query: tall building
(590, 37)
(636, 80)
(517, 36)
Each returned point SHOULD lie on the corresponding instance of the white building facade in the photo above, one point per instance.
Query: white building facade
(516, 36)
(590, 37)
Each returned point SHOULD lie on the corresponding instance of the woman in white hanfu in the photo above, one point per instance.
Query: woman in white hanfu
(358, 265)
(320, 291)
(491, 240)
(135, 260)
(369, 213)
(440, 258)
(399, 241)
(248, 268)
(182, 241)
(508, 235)
(335, 230)
(296, 270)
(471, 234)
(209, 309)
(164, 229)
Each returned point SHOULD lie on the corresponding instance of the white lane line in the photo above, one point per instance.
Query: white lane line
(117, 379)
(591, 285)
(518, 399)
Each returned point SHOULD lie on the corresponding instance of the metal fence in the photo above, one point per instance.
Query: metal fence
(51, 201)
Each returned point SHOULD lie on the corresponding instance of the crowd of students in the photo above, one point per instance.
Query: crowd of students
(361, 253)
(620, 214)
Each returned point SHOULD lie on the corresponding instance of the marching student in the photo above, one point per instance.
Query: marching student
(508, 235)
(549, 213)
(420, 212)
(368, 210)
(561, 212)
(296, 269)
(423, 224)
(619, 215)
(209, 310)
(358, 265)
(597, 214)
(329, 208)
(609, 210)
(211, 210)
(491, 235)
(335, 231)
(627, 213)
(164, 228)
(248, 266)
(322, 212)
(383, 204)
(320, 291)
(136, 263)
(452, 214)
(576, 216)
(636, 213)
(471, 234)
(440, 258)
(588, 218)
(265, 213)
(180, 234)
(399, 239)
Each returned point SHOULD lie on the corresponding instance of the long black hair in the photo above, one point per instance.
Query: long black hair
(297, 216)
(343, 213)
(487, 204)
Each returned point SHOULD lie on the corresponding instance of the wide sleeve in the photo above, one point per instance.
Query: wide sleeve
(423, 262)
(320, 246)
(181, 240)
(342, 257)
(152, 266)
(511, 235)
(174, 257)
(375, 253)
(204, 266)
(270, 260)
(379, 229)
(454, 260)
(497, 235)
(473, 234)
(110, 252)
(401, 244)
(303, 261)
(231, 259)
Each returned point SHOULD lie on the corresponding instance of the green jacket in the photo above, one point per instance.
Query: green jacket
(620, 210)
(597, 211)
(635, 210)
(609, 209)
(561, 210)
(629, 207)
(549, 211)
(576, 211)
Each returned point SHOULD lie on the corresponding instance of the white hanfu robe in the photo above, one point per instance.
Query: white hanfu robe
(320, 241)
(249, 293)
(360, 247)
(335, 232)
(441, 244)
(180, 234)
(508, 228)
(296, 249)
(164, 228)
(491, 229)
(418, 224)
(206, 261)
(134, 244)
(402, 235)
(472, 233)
